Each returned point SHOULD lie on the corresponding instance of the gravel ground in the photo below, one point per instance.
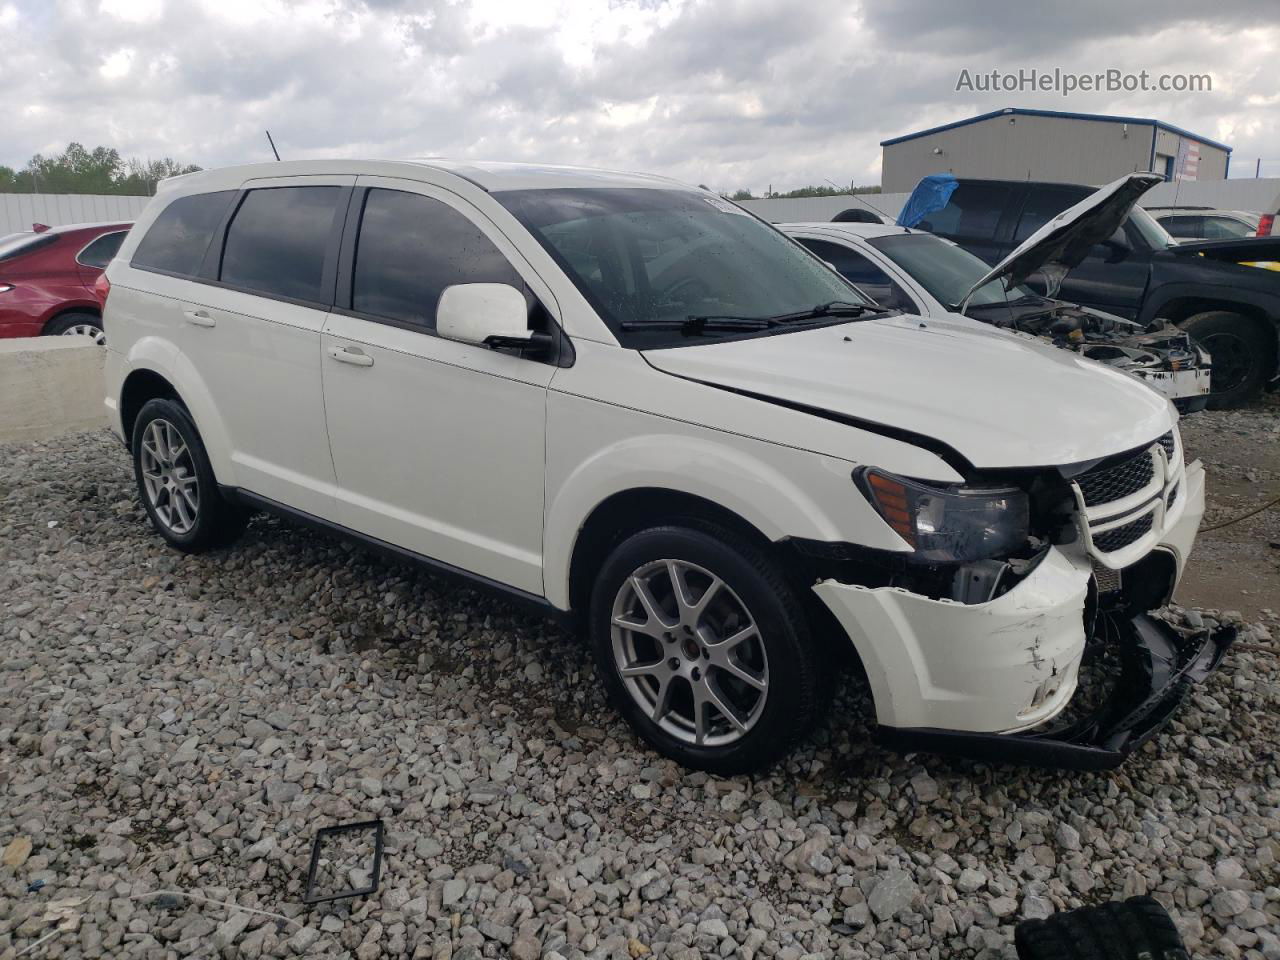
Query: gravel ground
(172, 723)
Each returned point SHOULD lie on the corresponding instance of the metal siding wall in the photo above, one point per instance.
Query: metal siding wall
(1066, 150)
(19, 210)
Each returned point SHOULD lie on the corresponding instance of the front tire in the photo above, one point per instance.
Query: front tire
(1242, 355)
(1137, 929)
(176, 483)
(704, 649)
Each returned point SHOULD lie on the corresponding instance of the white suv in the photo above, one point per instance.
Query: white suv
(630, 402)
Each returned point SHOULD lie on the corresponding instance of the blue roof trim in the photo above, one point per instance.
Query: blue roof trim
(1064, 114)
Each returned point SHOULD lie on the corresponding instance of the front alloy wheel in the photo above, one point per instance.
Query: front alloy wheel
(704, 649)
(689, 653)
(169, 477)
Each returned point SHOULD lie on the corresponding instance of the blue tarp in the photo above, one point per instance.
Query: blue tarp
(930, 194)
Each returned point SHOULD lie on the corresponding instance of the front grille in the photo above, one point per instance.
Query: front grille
(1166, 443)
(1173, 498)
(1117, 538)
(1117, 482)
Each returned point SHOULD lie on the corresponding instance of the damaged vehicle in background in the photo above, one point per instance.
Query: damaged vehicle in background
(644, 410)
(920, 273)
(1208, 288)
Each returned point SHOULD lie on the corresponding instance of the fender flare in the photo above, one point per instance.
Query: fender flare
(161, 357)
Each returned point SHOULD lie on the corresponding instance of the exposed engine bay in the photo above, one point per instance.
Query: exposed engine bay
(1167, 358)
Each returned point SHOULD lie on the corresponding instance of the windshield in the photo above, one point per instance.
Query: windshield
(1152, 234)
(945, 270)
(644, 256)
(16, 244)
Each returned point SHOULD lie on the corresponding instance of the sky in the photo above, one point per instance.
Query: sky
(729, 93)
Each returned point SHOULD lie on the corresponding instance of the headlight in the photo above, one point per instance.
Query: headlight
(951, 525)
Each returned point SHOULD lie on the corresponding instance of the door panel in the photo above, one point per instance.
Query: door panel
(259, 351)
(261, 360)
(439, 447)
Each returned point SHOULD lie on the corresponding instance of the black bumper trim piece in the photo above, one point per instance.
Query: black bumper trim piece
(1159, 667)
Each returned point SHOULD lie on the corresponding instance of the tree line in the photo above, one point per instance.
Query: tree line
(811, 191)
(98, 171)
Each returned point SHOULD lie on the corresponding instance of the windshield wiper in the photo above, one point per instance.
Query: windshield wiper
(833, 308)
(695, 325)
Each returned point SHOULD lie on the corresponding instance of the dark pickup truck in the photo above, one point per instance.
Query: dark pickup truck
(1140, 273)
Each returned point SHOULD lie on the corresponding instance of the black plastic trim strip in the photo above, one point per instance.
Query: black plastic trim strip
(530, 601)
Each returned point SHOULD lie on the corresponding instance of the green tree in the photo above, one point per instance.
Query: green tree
(100, 171)
(742, 195)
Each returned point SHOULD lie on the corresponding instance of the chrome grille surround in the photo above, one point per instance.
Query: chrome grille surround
(1124, 502)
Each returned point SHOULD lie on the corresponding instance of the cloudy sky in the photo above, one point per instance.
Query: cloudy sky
(731, 93)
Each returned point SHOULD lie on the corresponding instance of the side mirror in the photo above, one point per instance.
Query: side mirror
(486, 314)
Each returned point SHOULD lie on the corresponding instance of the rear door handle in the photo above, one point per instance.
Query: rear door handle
(200, 318)
(352, 355)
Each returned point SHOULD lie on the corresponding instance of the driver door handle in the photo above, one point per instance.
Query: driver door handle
(352, 355)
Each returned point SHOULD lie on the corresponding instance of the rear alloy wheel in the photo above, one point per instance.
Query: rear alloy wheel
(703, 648)
(176, 482)
(1240, 353)
(169, 477)
(78, 325)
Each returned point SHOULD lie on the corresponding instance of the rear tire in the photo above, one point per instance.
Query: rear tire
(72, 324)
(1243, 355)
(1137, 928)
(726, 680)
(176, 483)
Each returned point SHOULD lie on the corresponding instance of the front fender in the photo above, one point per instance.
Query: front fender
(780, 491)
(160, 356)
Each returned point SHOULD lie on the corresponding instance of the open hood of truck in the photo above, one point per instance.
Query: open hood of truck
(1065, 241)
(997, 398)
(1240, 250)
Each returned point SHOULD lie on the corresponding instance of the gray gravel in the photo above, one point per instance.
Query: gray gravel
(186, 723)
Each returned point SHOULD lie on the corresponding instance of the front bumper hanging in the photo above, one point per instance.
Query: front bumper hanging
(1158, 665)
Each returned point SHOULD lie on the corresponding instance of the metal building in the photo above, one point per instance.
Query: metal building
(1021, 144)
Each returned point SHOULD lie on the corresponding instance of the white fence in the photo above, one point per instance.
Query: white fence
(18, 211)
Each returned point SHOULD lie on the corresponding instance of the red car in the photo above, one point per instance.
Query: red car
(47, 276)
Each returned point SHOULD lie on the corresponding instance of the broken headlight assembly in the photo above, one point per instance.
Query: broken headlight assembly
(949, 524)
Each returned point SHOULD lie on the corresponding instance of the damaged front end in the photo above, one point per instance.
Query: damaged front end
(1167, 360)
(1135, 673)
(1026, 637)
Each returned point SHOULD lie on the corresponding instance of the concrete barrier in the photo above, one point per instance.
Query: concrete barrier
(49, 386)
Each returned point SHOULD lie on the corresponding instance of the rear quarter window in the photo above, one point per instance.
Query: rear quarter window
(100, 251)
(177, 240)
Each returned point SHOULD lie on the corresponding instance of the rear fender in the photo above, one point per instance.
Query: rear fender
(162, 357)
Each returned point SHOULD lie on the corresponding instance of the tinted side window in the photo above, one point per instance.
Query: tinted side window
(177, 241)
(973, 211)
(410, 248)
(99, 253)
(1224, 228)
(864, 274)
(1040, 207)
(1184, 228)
(277, 241)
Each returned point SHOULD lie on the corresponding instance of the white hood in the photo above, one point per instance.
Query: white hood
(1000, 399)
